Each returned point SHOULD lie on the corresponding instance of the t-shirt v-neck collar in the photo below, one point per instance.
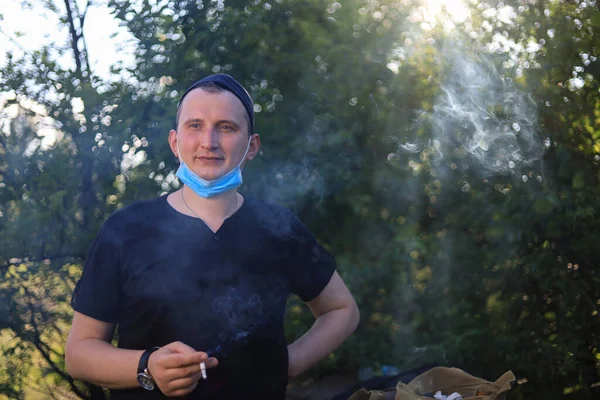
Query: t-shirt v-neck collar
(216, 233)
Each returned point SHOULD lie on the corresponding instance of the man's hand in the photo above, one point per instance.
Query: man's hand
(176, 368)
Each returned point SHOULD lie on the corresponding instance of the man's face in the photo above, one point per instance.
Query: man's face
(212, 133)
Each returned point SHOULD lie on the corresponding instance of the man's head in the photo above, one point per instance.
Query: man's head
(218, 83)
(215, 122)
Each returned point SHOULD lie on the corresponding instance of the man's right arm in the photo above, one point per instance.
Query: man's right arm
(91, 357)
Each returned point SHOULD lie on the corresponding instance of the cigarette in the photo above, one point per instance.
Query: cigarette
(203, 370)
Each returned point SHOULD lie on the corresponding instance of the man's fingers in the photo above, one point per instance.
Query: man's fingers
(184, 384)
(181, 392)
(183, 372)
(211, 362)
(183, 360)
(180, 347)
(190, 370)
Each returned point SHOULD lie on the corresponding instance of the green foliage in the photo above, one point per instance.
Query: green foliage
(450, 263)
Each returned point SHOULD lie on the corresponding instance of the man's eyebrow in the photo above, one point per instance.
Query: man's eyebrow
(201, 121)
(228, 121)
(192, 120)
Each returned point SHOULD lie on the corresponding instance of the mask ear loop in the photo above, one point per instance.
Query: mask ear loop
(178, 155)
(245, 154)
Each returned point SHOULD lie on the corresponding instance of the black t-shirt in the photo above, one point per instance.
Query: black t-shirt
(163, 276)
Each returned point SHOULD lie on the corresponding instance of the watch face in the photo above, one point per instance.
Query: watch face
(145, 381)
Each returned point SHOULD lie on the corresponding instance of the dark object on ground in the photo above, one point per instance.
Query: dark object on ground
(384, 382)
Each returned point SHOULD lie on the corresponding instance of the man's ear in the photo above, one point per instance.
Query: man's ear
(254, 146)
(173, 142)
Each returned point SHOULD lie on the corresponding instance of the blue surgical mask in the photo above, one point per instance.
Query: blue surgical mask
(204, 188)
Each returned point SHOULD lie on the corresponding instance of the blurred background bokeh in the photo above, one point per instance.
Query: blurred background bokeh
(446, 152)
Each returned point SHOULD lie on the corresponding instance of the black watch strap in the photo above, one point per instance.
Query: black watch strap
(143, 364)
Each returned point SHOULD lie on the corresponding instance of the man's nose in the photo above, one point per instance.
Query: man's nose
(208, 138)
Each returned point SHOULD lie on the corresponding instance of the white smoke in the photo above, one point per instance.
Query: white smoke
(482, 113)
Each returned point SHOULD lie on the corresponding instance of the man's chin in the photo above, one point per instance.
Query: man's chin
(209, 176)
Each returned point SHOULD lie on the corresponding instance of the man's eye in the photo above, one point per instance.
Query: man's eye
(226, 128)
(195, 126)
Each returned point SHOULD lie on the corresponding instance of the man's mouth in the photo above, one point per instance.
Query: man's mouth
(209, 158)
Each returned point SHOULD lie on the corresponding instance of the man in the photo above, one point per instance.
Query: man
(201, 276)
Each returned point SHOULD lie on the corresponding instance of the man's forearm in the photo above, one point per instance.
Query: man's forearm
(103, 364)
(326, 334)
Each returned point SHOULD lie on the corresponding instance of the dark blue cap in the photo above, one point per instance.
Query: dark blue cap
(231, 85)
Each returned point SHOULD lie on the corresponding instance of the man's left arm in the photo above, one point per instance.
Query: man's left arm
(337, 316)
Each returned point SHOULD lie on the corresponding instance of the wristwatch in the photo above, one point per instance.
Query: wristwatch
(143, 375)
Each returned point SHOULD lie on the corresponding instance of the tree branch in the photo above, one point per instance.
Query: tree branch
(15, 41)
(74, 39)
(82, 16)
(41, 346)
(82, 36)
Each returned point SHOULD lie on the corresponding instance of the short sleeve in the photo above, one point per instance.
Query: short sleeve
(97, 291)
(311, 265)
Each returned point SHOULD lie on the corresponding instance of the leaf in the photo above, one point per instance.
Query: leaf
(578, 180)
(57, 198)
(543, 206)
